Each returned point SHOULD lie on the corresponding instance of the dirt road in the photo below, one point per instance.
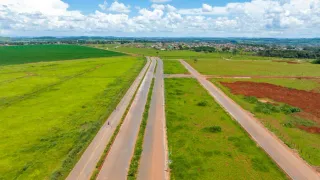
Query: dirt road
(178, 76)
(293, 165)
(153, 164)
(88, 161)
(118, 160)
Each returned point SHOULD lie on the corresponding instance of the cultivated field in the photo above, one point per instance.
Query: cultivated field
(39, 53)
(205, 143)
(50, 111)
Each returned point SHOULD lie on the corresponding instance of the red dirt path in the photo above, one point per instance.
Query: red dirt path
(307, 101)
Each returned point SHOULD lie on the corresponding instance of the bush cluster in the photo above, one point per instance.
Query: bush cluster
(215, 129)
(317, 61)
(203, 103)
(267, 108)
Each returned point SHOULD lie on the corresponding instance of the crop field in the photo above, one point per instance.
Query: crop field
(11, 55)
(254, 68)
(205, 143)
(174, 67)
(50, 111)
(270, 100)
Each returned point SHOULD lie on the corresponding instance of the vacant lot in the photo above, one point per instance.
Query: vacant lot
(248, 68)
(50, 111)
(205, 143)
(39, 53)
(299, 130)
(174, 67)
(300, 84)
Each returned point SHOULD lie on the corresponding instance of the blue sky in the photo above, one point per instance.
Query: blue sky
(89, 6)
(165, 18)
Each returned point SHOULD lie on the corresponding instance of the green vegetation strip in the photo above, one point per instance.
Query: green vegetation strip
(282, 122)
(108, 147)
(205, 142)
(39, 53)
(186, 54)
(134, 165)
(174, 67)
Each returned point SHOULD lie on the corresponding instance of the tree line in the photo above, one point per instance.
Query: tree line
(289, 53)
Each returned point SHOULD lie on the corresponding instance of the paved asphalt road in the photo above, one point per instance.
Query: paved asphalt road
(293, 165)
(118, 160)
(87, 163)
(153, 164)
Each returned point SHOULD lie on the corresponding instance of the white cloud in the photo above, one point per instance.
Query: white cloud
(115, 7)
(205, 10)
(103, 6)
(162, 7)
(285, 18)
(119, 7)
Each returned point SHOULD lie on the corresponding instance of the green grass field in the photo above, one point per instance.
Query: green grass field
(174, 67)
(238, 68)
(306, 144)
(183, 54)
(189, 54)
(50, 111)
(38, 53)
(197, 147)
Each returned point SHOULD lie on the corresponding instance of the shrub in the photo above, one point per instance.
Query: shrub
(266, 108)
(289, 124)
(203, 103)
(251, 99)
(215, 129)
(289, 109)
(295, 121)
(317, 61)
(259, 165)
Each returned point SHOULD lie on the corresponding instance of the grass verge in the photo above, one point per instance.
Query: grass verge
(134, 165)
(205, 142)
(174, 67)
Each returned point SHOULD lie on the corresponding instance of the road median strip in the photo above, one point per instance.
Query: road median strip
(117, 162)
(134, 165)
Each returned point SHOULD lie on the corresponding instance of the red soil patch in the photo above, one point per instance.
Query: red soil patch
(309, 116)
(292, 62)
(314, 130)
(307, 101)
(289, 62)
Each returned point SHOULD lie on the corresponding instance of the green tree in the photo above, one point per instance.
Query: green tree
(317, 61)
